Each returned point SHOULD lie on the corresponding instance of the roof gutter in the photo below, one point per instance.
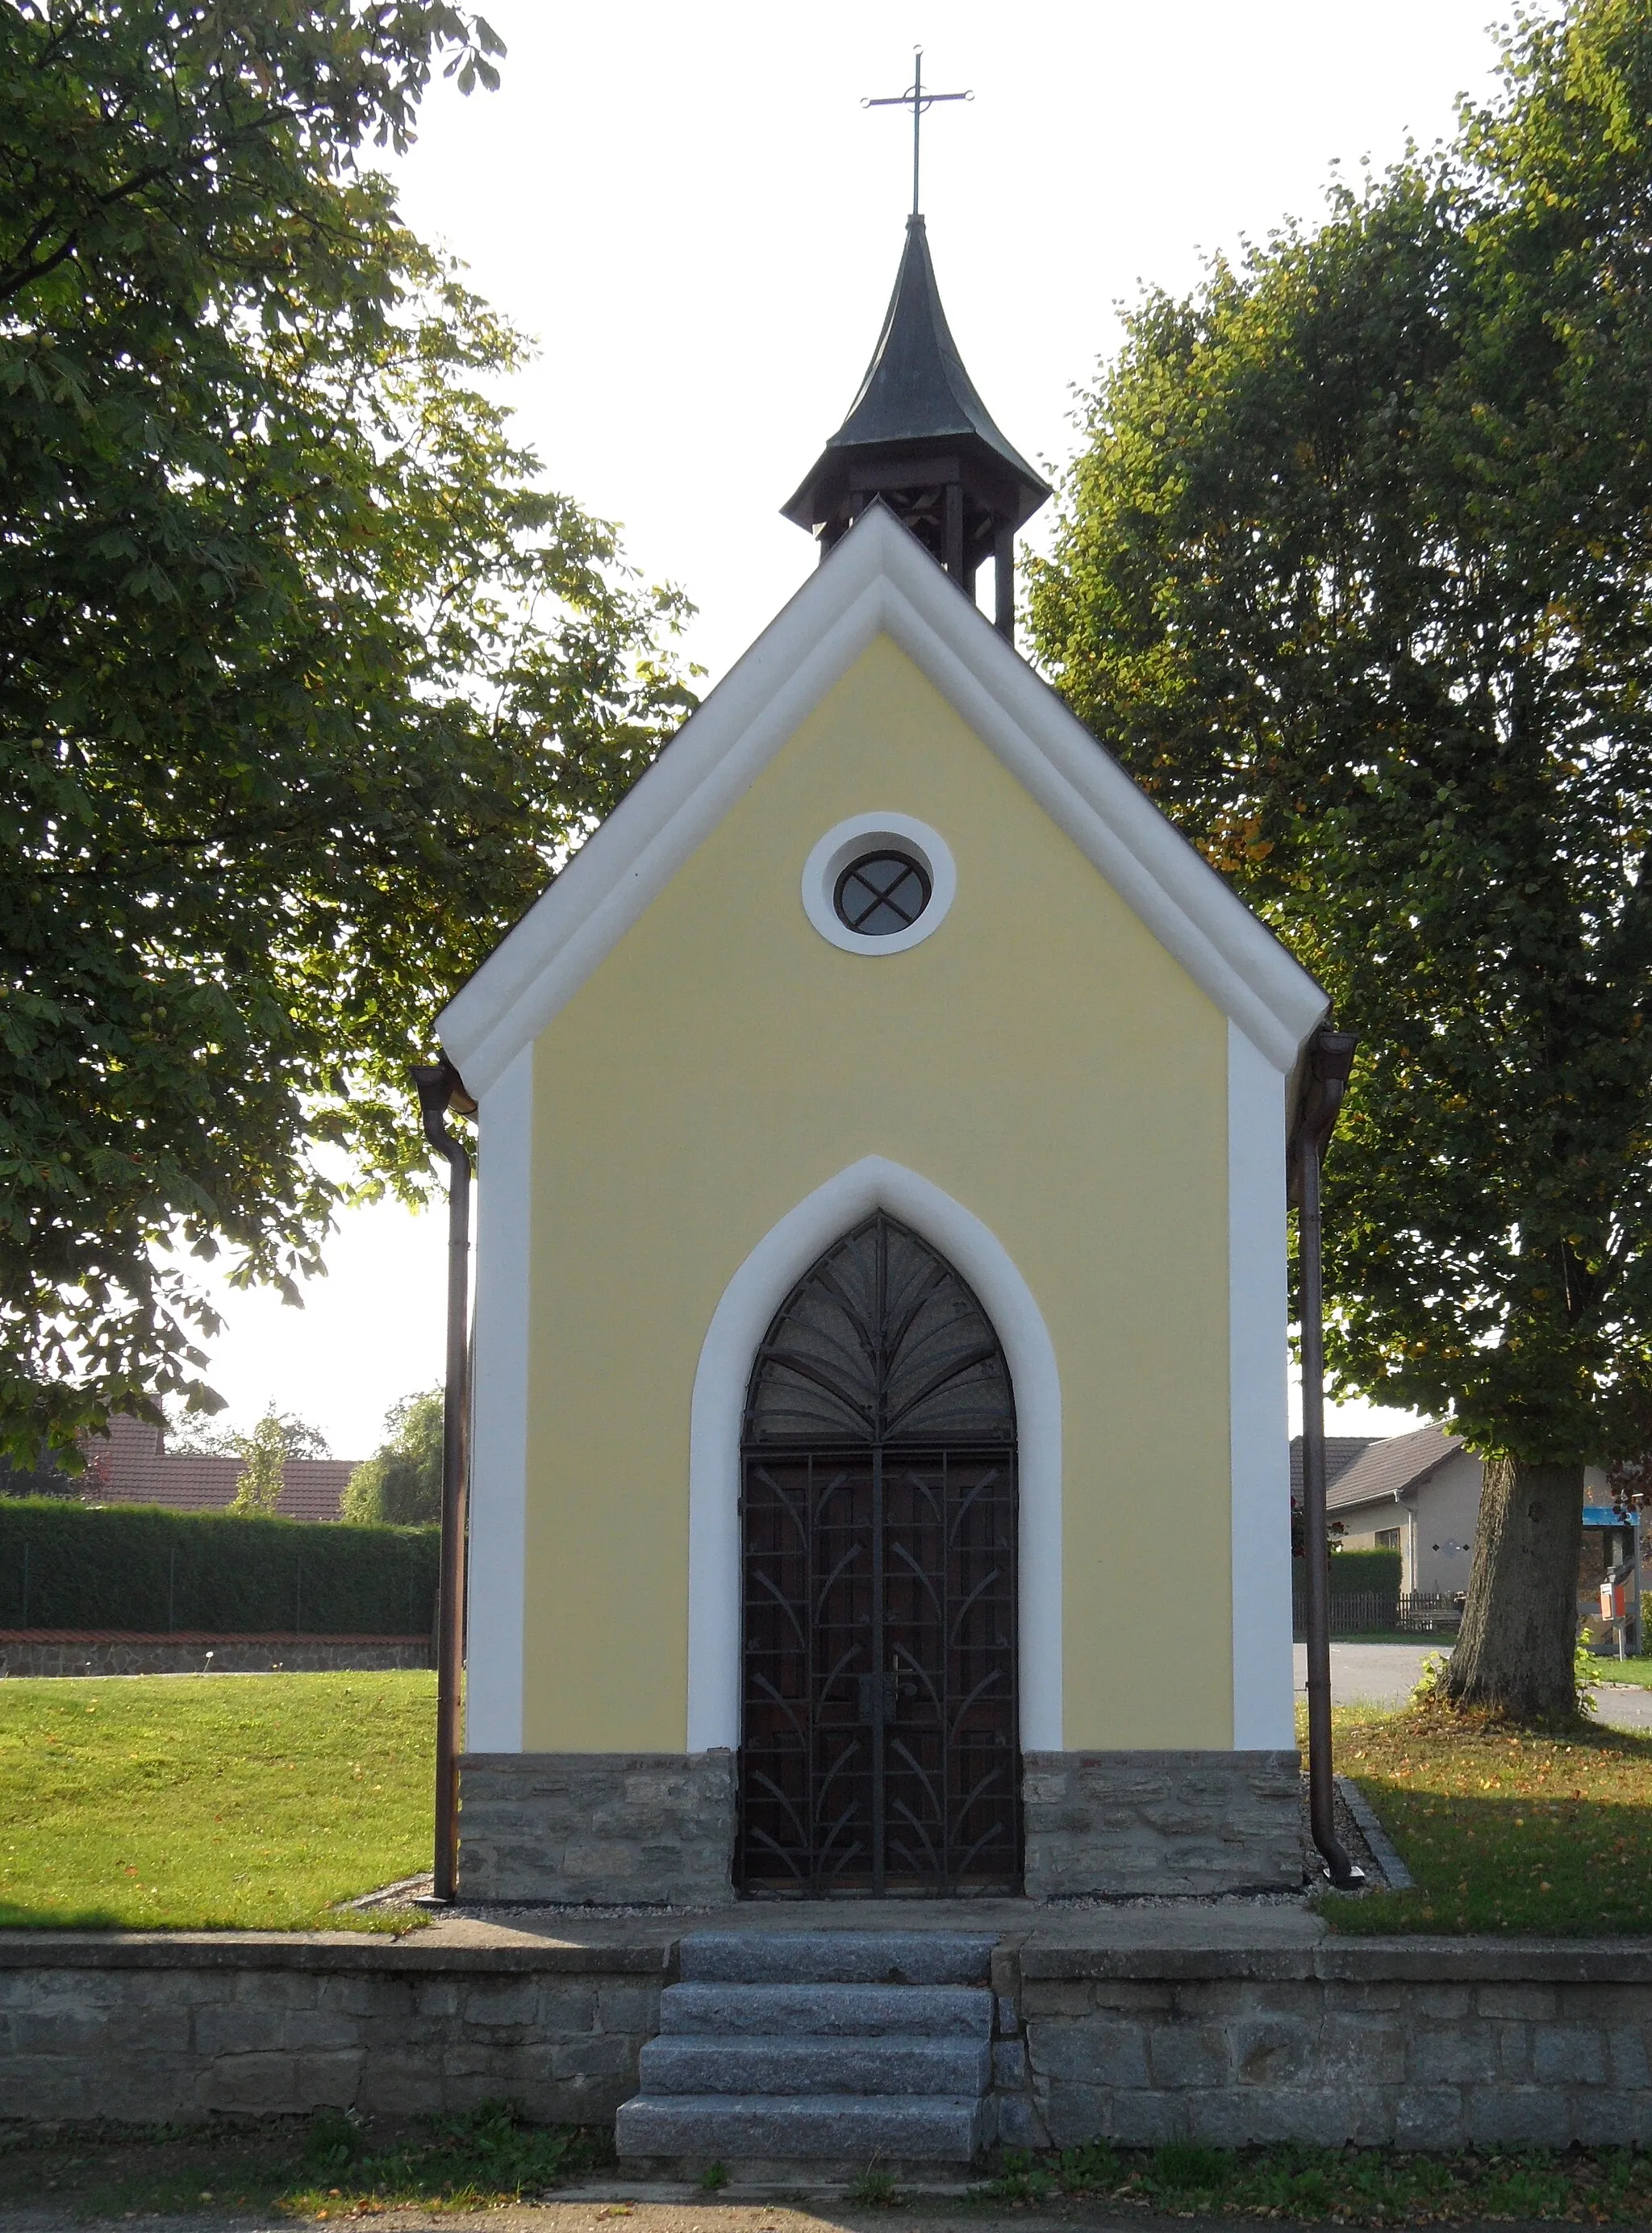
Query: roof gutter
(1329, 1059)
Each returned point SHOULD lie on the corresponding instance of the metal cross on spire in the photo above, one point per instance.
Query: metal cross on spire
(917, 101)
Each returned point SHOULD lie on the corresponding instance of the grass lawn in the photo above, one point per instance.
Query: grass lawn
(215, 1802)
(1503, 1831)
(334, 2166)
(1638, 1672)
(1349, 2187)
(339, 2167)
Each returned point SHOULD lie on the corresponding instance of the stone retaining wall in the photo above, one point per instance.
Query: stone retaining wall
(153, 2029)
(1423, 2043)
(44, 1651)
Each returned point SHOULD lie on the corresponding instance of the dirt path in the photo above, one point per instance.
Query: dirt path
(682, 2214)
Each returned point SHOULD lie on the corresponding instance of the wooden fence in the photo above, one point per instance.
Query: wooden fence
(1385, 1612)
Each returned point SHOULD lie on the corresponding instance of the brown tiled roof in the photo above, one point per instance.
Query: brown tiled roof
(1386, 1468)
(1341, 1452)
(135, 1467)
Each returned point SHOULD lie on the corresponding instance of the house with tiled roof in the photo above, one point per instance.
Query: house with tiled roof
(135, 1467)
(1418, 1493)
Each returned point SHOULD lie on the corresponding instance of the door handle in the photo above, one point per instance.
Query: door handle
(878, 1694)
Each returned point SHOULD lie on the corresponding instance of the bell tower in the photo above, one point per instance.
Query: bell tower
(919, 437)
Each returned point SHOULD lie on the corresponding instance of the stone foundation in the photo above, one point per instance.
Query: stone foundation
(1133, 1822)
(657, 1829)
(613, 1828)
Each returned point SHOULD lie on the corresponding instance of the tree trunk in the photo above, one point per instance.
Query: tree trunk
(1514, 1657)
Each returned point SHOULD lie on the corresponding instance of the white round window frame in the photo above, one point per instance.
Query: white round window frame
(869, 833)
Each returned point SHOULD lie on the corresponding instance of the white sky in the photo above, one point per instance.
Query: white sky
(692, 214)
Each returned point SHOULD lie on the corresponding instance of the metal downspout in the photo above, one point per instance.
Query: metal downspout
(1331, 1055)
(440, 1089)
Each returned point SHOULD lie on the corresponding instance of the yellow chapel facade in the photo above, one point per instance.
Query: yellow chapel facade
(1073, 1086)
(879, 1346)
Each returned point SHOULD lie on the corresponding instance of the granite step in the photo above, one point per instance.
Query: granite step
(728, 2128)
(828, 2011)
(818, 2047)
(681, 2064)
(840, 1958)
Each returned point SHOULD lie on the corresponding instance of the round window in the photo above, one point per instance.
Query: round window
(879, 884)
(882, 893)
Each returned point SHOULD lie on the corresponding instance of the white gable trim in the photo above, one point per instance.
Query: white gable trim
(1258, 1431)
(499, 1411)
(742, 1318)
(877, 580)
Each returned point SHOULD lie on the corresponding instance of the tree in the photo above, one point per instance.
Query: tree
(308, 681)
(44, 1478)
(400, 1485)
(1354, 574)
(263, 1451)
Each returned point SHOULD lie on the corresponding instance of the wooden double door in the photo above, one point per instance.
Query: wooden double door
(879, 1751)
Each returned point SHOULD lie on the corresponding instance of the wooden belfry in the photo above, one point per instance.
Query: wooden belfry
(918, 435)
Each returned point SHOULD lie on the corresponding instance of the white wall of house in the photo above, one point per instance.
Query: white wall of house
(1431, 1526)
(1369, 1528)
(1439, 1527)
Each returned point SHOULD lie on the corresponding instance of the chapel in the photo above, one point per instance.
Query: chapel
(878, 1475)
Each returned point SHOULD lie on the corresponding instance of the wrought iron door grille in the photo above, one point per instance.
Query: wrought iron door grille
(878, 1748)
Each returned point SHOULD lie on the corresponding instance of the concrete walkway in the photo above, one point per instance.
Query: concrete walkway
(1386, 1675)
(1033, 1930)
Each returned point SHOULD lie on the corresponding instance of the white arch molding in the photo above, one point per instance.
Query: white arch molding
(742, 1318)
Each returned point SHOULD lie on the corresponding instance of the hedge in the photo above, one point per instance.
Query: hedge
(1359, 1571)
(147, 1570)
(1355, 1573)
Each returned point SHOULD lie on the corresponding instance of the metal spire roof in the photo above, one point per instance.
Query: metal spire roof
(916, 388)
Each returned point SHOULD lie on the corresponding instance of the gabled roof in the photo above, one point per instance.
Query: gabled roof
(878, 580)
(916, 388)
(1341, 1451)
(1384, 1471)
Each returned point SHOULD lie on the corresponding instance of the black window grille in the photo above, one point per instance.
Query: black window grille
(882, 893)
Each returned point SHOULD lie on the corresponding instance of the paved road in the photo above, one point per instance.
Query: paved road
(1386, 1675)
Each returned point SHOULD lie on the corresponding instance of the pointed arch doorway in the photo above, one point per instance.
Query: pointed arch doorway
(879, 1652)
